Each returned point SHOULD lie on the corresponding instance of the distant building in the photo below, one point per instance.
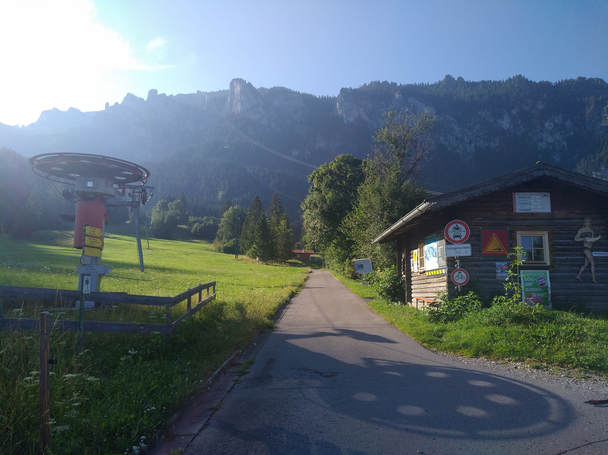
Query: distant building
(557, 216)
(302, 255)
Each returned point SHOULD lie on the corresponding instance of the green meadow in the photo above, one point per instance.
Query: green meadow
(121, 390)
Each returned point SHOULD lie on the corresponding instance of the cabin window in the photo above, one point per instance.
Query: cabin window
(535, 247)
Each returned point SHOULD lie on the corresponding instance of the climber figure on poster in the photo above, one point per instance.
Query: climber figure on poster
(586, 235)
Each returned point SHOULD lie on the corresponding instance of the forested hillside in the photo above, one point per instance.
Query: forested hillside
(236, 143)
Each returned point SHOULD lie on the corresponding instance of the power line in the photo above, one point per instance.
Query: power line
(262, 146)
(261, 181)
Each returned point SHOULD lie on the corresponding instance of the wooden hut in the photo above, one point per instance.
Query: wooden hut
(559, 217)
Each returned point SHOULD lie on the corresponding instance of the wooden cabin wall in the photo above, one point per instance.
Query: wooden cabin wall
(569, 206)
(419, 284)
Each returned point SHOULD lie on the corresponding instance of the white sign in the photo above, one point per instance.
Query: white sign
(460, 277)
(453, 251)
(362, 266)
(86, 284)
(93, 269)
(532, 202)
(457, 231)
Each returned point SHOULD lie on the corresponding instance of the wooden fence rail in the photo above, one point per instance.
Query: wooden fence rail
(118, 298)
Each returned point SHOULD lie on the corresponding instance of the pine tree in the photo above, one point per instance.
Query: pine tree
(262, 247)
(248, 230)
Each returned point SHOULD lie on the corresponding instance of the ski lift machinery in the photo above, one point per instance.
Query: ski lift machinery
(101, 183)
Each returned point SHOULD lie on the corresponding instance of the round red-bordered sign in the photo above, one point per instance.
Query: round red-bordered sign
(457, 231)
(460, 277)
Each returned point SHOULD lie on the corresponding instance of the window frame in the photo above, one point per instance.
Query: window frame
(546, 250)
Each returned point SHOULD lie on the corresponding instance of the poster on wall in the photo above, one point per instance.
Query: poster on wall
(431, 261)
(414, 261)
(536, 287)
(501, 270)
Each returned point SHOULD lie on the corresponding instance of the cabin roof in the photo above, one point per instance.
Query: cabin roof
(446, 200)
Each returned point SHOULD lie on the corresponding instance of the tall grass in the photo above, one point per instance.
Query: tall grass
(122, 389)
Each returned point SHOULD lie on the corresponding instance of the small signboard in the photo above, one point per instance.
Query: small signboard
(532, 202)
(93, 252)
(495, 243)
(536, 287)
(86, 284)
(457, 231)
(460, 277)
(93, 231)
(93, 241)
(453, 251)
(93, 269)
(362, 266)
(600, 254)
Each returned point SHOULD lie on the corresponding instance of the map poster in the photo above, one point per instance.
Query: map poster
(536, 287)
(494, 243)
(431, 259)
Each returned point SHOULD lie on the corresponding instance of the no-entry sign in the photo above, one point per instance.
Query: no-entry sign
(457, 231)
(460, 277)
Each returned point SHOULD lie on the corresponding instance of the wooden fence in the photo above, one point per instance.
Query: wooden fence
(108, 298)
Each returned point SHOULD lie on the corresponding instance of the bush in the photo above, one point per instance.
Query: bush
(224, 247)
(389, 285)
(449, 310)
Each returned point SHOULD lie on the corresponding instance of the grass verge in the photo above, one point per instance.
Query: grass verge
(124, 387)
(520, 333)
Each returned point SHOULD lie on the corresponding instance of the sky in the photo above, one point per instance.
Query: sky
(84, 53)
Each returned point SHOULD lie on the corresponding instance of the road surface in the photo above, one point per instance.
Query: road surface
(335, 378)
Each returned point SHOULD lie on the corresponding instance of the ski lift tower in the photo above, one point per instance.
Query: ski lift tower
(96, 180)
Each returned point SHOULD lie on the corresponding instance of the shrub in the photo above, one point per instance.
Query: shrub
(389, 285)
(449, 310)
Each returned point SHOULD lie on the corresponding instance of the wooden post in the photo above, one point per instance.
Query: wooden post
(189, 302)
(45, 389)
(168, 322)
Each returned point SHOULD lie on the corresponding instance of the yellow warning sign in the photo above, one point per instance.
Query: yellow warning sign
(495, 246)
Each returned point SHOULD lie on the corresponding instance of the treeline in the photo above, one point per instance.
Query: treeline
(264, 235)
(352, 201)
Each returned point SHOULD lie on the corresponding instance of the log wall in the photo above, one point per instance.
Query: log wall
(569, 206)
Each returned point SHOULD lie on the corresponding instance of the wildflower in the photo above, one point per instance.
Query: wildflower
(132, 351)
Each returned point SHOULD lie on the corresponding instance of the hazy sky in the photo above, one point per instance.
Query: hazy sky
(83, 53)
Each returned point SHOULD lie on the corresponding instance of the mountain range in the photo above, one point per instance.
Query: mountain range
(236, 143)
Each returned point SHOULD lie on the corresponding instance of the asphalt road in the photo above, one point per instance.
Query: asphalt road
(335, 378)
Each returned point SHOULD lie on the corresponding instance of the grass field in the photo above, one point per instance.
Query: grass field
(121, 390)
(542, 338)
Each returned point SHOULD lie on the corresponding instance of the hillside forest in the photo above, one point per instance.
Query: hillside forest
(214, 154)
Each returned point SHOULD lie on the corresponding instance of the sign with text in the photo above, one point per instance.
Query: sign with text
(92, 252)
(536, 287)
(93, 269)
(453, 251)
(532, 202)
(495, 243)
(93, 231)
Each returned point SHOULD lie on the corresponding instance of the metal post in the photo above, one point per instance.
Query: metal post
(45, 389)
(138, 237)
